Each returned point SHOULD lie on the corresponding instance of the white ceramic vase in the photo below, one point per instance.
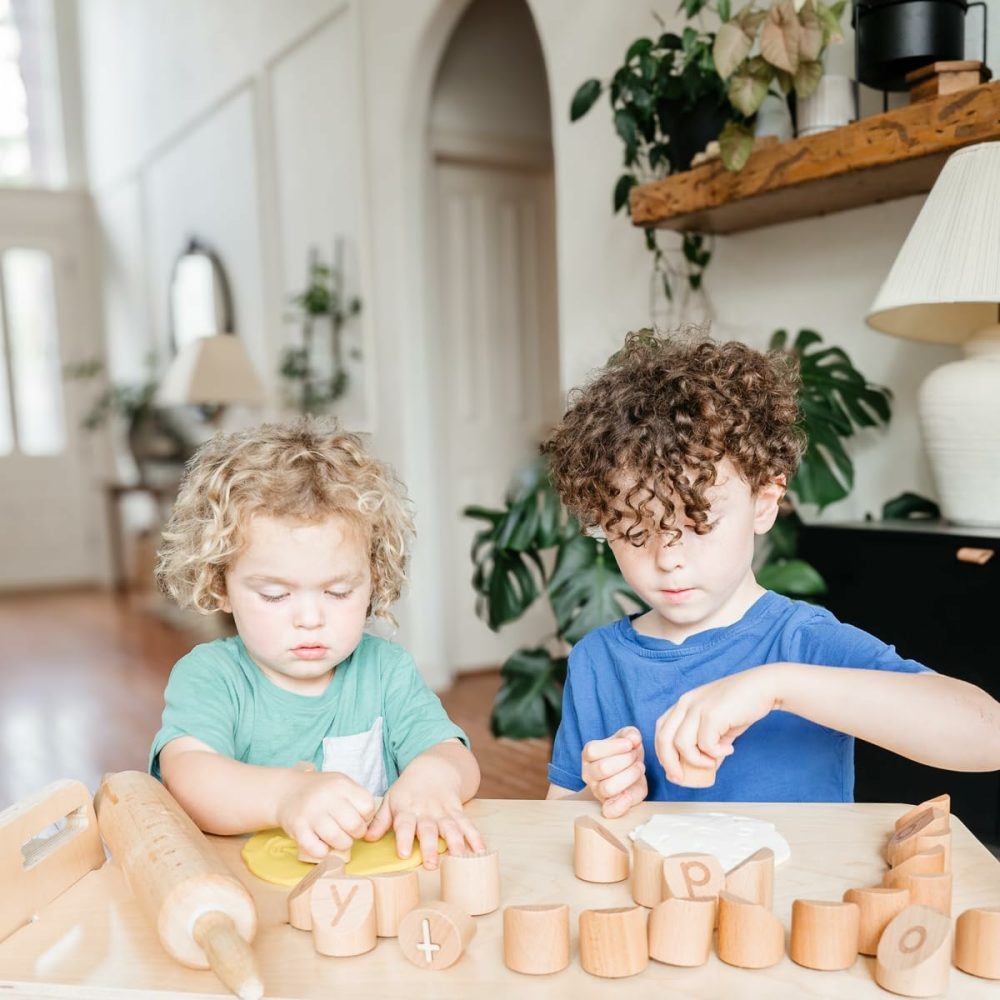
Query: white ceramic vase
(959, 406)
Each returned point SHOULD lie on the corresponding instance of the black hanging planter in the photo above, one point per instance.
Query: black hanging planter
(895, 37)
(692, 129)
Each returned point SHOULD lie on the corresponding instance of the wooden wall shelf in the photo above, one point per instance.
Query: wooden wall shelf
(879, 158)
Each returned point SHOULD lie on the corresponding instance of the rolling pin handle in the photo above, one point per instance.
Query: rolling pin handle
(228, 954)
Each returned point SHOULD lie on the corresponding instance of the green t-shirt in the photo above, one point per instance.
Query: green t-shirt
(374, 717)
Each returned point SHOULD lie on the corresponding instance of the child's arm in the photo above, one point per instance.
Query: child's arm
(930, 718)
(426, 801)
(225, 796)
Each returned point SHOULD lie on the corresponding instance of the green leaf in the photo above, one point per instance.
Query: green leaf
(811, 38)
(586, 589)
(639, 47)
(692, 8)
(626, 128)
(793, 577)
(625, 184)
(910, 505)
(583, 100)
(748, 86)
(735, 145)
(731, 47)
(529, 702)
(807, 78)
(724, 10)
(784, 536)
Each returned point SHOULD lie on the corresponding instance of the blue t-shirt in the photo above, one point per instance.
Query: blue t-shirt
(618, 677)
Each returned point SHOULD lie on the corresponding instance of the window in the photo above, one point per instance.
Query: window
(31, 139)
(32, 418)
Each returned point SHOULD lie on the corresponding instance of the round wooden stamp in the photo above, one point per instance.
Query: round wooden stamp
(434, 935)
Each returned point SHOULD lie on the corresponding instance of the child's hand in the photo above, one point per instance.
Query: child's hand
(324, 810)
(700, 727)
(615, 771)
(416, 807)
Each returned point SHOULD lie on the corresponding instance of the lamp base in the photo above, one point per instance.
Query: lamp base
(959, 405)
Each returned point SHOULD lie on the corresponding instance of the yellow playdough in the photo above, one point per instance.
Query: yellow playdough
(273, 856)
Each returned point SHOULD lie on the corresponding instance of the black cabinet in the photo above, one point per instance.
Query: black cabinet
(918, 586)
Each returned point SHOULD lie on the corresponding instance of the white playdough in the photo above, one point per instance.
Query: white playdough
(730, 838)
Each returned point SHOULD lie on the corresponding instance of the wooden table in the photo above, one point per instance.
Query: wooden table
(94, 935)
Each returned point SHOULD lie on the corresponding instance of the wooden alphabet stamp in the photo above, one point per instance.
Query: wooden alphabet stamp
(692, 876)
(299, 915)
(396, 893)
(753, 878)
(929, 889)
(343, 915)
(536, 938)
(941, 807)
(920, 834)
(647, 874)
(914, 953)
(680, 931)
(598, 855)
(749, 936)
(930, 862)
(977, 942)
(435, 934)
(471, 881)
(613, 943)
(877, 905)
(824, 934)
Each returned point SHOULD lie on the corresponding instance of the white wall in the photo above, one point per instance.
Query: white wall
(291, 123)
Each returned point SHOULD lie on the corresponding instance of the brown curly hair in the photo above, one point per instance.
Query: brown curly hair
(305, 470)
(664, 412)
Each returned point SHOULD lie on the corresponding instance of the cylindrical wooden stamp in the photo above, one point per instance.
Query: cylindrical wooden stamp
(434, 935)
(536, 938)
(920, 834)
(977, 942)
(692, 876)
(914, 953)
(343, 915)
(932, 890)
(598, 855)
(941, 807)
(396, 893)
(824, 934)
(753, 878)
(471, 881)
(922, 863)
(750, 936)
(697, 777)
(299, 915)
(877, 905)
(613, 943)
(680, 931)
(647, 874)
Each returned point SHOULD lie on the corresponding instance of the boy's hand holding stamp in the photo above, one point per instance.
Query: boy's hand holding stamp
(615, 771)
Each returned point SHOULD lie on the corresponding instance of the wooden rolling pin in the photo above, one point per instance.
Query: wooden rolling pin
(204, 916)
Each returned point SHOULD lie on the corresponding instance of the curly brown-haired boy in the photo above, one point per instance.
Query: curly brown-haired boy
(679, 451)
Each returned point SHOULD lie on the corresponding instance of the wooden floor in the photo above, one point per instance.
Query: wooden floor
(81, 692)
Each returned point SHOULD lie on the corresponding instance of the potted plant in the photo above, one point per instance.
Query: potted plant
(156, 443)
(533, 547)
(315, 372)
(781, 44)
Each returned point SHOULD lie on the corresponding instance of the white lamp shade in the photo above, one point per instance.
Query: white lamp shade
(945, 282)
(212, 370)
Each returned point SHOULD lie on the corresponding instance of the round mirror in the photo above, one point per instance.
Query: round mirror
(200, 303)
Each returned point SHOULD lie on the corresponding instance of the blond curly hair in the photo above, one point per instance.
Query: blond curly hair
(304, 470)
(664, 412)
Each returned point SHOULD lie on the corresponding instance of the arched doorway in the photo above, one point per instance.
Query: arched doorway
(493, 330)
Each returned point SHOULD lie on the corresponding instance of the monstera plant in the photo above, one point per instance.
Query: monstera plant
(533, 547)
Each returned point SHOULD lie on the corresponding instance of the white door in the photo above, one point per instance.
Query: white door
(497, 369)
(48, 533)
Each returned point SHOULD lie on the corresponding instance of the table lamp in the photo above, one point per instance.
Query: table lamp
(211, 371)
(944, 287)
